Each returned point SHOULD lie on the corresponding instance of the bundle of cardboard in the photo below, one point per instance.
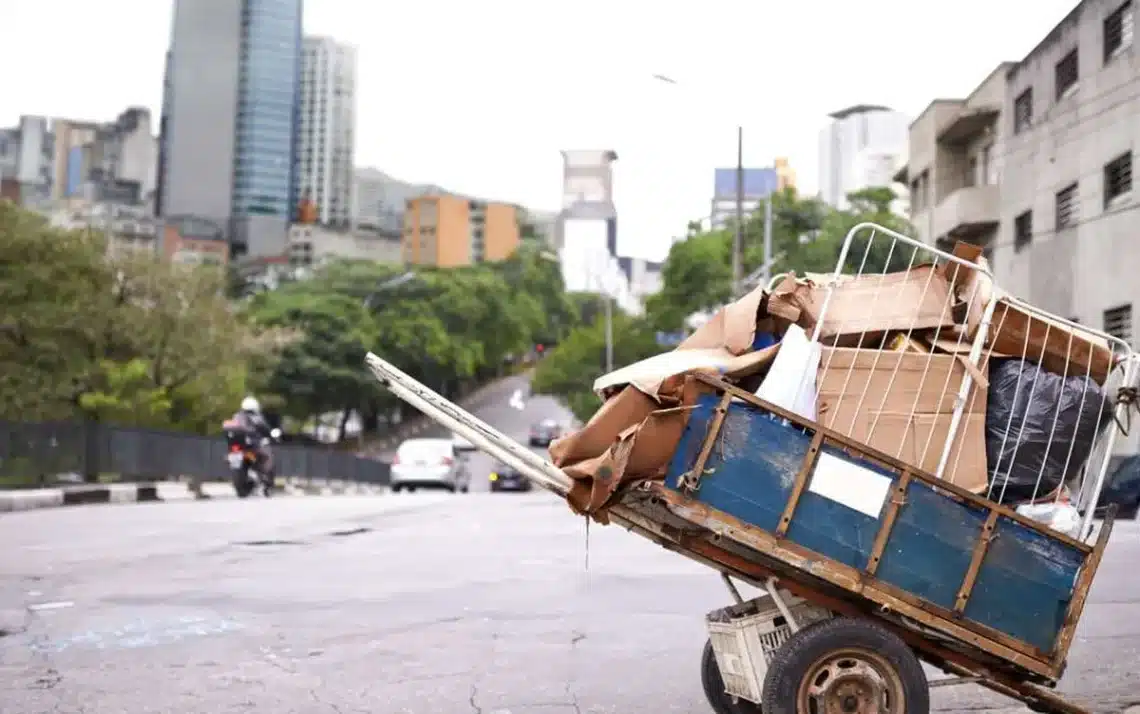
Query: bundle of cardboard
(893, 355)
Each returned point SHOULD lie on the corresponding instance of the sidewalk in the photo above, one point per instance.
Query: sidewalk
(33, 499)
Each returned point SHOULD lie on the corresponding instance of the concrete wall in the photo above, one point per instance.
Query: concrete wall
(1091, 267)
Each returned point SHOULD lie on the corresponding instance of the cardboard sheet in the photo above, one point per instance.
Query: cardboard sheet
(865, 306)
(901, 403)
(1017, 329)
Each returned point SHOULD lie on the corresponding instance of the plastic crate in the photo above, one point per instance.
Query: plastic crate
(745, 636)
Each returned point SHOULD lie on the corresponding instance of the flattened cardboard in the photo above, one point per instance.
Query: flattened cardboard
(1017, 330)
(648, 374)
(901, 403)
(865, 306)
(732, 328)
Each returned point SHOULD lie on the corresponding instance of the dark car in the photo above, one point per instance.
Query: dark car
(1122, 487)
(507, 478)
(544, 432)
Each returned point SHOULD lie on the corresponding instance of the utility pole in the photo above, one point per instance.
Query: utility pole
(736, 237)
(768, 240)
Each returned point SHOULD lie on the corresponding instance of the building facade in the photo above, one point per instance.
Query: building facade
(327, 133)
(230, 117)
(1069, 216)
(852, 132)
(314, 244)
(27, 153)
(449, 231)
(954, 164)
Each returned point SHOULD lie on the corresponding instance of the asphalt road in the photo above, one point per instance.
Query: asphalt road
(404, 604)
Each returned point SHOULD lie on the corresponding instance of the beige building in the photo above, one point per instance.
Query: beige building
(953, 166)
(311, 244)
(450, 231)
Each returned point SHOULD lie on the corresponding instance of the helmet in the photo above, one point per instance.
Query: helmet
(249, 404)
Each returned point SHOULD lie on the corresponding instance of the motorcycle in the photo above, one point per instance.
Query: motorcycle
(242, 448)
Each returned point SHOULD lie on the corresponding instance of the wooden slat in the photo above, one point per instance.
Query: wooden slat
(898, 498)
(710, 440)
(891, 462)
(798, 487)
(1081, 590)
(981, 547)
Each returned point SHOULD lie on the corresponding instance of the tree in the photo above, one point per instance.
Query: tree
(128, 337)
(696, 276)
(570, 370)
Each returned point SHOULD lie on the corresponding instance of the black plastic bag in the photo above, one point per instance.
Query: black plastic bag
(1055, 421)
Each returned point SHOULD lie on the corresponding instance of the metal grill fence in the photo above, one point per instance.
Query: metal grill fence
(43, 453)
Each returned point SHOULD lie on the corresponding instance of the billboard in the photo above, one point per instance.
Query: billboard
(758, 183)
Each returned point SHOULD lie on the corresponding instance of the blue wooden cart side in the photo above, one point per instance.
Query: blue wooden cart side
(925, 548)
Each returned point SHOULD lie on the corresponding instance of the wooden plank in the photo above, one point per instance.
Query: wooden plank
(801, 483)
(860, 449)
(976, 559)
(898, 498)
(1081, 590)
(855, 581)
(692, 480)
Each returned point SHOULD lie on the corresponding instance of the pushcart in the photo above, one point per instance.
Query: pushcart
(868, 565)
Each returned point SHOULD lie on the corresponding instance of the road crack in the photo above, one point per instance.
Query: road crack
(575, 638)
(475, 693)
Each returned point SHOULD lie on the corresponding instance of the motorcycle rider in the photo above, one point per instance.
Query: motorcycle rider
(252, 421)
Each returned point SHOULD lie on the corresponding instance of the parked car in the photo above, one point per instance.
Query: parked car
(507, 478)
(544, 432)
(461, 443)
(1122, 487)
(429, 463)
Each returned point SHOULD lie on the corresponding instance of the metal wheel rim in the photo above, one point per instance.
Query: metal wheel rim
(851, 681)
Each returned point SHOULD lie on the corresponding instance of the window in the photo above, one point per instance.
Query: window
(1117, 178)
(1118, 322)
(1066, 74)
(1022, 231)
(1067, 207)
(1023, 111)
(1118, 31)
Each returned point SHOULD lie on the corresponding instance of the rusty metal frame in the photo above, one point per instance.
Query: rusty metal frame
(800, 484)
(703, 548)
(981, 547)
(898, 500)
(862, 582)
(1081, 589)
(691, 481)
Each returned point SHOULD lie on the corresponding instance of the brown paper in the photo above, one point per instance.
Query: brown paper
(733, 327)
(895, 401)
(1017, 330)
(865, 306)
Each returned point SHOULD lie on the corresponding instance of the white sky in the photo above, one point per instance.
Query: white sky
(480, 97)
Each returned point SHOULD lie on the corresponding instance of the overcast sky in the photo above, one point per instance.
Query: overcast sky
(481, 96)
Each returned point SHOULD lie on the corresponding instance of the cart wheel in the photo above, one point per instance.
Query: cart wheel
(845, 666)
(713, 684)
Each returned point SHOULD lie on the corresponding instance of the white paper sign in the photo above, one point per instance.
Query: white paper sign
(849, 484)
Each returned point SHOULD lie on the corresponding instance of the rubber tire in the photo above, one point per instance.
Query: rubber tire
(395, 488)
(713, 684)
(242, 490)
(790, 663)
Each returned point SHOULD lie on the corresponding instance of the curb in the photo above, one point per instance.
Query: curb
(33, 499)
(78, 496)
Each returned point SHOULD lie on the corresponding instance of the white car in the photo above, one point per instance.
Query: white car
(461, 443)
(429, 463)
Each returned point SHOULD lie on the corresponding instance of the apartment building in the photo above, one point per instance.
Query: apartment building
(449, 231)
(856, 132)
(953, 166)
(1069, 220)
(313, 244)
(327, 133)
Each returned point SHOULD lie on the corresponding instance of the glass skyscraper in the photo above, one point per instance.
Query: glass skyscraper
(230, 118)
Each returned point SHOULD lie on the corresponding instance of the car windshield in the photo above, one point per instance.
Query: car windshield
(549, 424)
(424, 450)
